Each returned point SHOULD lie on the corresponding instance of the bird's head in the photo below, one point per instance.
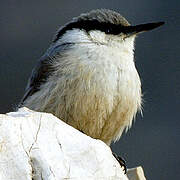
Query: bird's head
(101, 26)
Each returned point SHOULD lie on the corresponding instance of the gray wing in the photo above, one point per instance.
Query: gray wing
(43, 69)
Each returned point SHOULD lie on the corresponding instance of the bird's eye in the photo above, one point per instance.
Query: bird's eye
(107, 30)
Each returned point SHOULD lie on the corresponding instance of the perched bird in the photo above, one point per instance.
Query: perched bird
(88, 78)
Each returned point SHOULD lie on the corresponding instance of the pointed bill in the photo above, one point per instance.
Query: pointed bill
(131, 30)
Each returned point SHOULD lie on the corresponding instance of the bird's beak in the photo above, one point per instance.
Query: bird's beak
(132, 30)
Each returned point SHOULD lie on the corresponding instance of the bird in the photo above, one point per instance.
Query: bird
(88, 77)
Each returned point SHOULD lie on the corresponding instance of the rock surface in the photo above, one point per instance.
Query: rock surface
(39, 146)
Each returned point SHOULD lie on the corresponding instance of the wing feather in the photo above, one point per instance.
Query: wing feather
(43, 69)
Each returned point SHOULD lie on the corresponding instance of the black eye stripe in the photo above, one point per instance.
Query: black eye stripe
(89, 25)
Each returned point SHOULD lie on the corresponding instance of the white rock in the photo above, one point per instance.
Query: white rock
(39, 146)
